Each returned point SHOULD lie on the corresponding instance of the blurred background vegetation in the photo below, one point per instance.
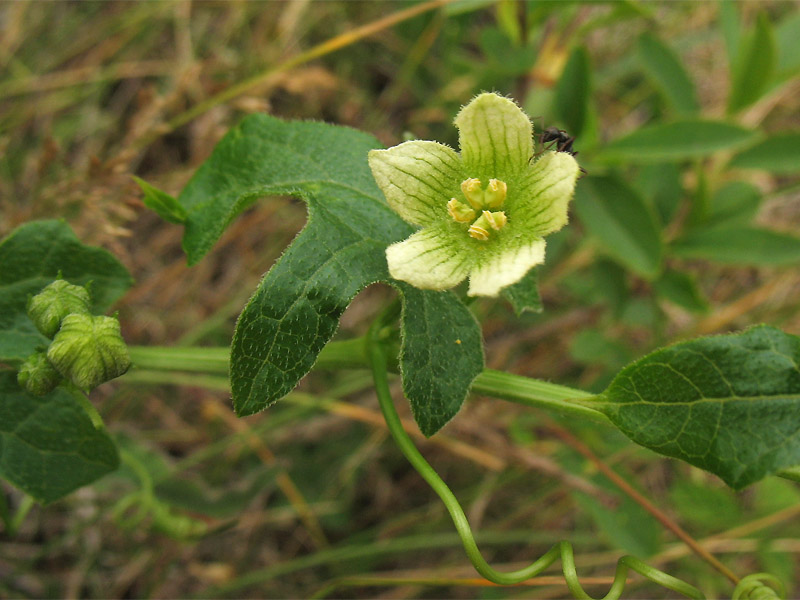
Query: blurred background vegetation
(312, 495)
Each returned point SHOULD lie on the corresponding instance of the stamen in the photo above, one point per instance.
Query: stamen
(473, 192)
(478, 232)
(497, 220)
(460, 212)
(495, 193)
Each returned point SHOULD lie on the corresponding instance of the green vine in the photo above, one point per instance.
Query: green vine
(562, 550)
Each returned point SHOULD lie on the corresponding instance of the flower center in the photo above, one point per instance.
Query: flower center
(480, 200)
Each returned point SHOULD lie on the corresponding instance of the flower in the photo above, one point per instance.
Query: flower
(483, 212)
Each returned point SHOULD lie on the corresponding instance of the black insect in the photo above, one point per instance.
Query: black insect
(558, 137)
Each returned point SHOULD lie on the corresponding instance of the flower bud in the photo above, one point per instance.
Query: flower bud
(49, 307)
(37, 376)
(89, 350)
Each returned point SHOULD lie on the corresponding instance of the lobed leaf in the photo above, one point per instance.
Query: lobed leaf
(295, 310)
(48, 444)
(31, 257)
(728, 404)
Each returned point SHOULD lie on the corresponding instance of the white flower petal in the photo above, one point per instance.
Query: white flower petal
(495, 136)
(418, 178)
(540, 207)
(506, 267)
(431, 259)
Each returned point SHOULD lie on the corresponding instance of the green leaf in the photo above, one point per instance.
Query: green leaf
(735, 203)
(48, 445)
(166, 206)
(788, 46)
(739, 245)
(296, 308)
(755, 66)
(433, 374)
(777, 154)
(622, 221)
(664, 67)
(31, 257)
(681, 289)
(682, 140)
(573, 91)
(661, 184)
(728, 404)
(524, 295)
(730, 24)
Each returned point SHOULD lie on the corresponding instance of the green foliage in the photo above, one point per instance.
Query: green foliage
(622, 221)
(164, 205)
(665, 69)
(727, 404)
(524, 295)
(739, 245)
(754, 67)
(573, 92)
(34, 255)
(49, 307)
(295, 310)
(776, 154)
(681, 140)
(49, 445)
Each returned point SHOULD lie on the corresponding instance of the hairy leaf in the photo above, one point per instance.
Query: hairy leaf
(524, 295)
(31, 257)
(295, 310)
(728, 404)
(48, 445)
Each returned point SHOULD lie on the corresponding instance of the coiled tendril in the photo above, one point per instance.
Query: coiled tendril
(754, 587)
(562, 550)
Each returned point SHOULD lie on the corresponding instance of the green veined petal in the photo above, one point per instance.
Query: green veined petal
(431, 259)
(540, 205)
(496, 138)
(507, 266)
(418, 178)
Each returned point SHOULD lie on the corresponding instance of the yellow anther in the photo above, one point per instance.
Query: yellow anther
(460, 211)
(473, 192)
(495, 193)
(496, 220)
(478, 232)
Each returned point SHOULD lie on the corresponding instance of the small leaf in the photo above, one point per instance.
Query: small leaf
(739, 245)
(730, 24)
(621, 220)
(664, 67)
(48, 445)
(777, 154)
(755, 66)
(296, 308)
(166, 206)
(728, 404)
(524, 295)
(31, 257)
(681, 289)
(682, 140)
(735, 203)
(433, 374)
(788, 46)
(573, 91)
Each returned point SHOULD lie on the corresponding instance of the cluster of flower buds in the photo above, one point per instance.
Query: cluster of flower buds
(86, 349)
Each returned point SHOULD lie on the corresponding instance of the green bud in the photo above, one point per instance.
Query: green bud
(37, 376)
(89, 350)
(49, 307)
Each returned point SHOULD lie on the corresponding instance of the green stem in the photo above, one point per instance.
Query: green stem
(563, 550)
(352, 354)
